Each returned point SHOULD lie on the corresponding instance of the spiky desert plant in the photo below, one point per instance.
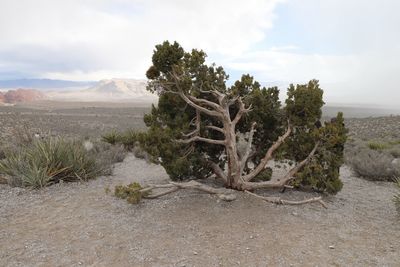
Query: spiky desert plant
(112, 137)
(50, 161)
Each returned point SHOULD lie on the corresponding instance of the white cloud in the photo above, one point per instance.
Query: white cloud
(109, 37)
(352, 47)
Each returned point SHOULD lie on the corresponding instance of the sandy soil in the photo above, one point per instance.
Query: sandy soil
(80, 225)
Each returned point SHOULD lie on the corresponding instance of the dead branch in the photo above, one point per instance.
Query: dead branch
(222, 193)
(215, 128)
(288, 177)
(248, 147)
(242, 110)
(201, 139)
(280, 201)
(268, 155)
(218, 171)
(197, 121)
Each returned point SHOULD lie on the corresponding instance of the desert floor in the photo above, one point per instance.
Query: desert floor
(79, 224)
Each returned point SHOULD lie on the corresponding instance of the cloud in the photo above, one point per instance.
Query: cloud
(352, 47)
(48, 37)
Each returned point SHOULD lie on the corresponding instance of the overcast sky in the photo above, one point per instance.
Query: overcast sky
(351, 46)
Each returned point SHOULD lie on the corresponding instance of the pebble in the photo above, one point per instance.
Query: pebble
(332, 247)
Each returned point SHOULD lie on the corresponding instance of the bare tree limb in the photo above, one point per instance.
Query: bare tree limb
(268, 155)
(248, 147)
(197, 121)
(289, 176)
(205, 102)
(201, 139)
(278, 200)
(215, 128)
(222, 193)
(218, 171)
(190, 102)
(242, 110)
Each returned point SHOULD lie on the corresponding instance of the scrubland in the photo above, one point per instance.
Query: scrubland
(83, 224)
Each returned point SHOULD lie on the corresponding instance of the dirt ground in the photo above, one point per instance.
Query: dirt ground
(79, 224)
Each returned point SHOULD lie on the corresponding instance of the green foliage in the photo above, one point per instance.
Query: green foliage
(112, 137)
(322, 173)
(46, 162)
(172, 117)
(130, 192)
(378, 146)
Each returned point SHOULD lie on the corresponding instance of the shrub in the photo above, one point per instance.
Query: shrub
(130, 192)
(378, 146)
(112, 137)
(107, 154)
(131, 140)
(46, 162)
(371, 164)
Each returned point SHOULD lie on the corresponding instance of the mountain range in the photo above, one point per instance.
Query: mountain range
(111, 90)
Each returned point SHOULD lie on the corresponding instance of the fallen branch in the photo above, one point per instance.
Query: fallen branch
(280, 201)
(222, 193)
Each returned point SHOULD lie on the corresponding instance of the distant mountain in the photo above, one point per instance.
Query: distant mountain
(43, 84)
(121, 90)
(20, 95)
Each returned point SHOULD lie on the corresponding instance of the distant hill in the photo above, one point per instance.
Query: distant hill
(20, 95)
(42, 84)
(358, 111)
(120, 90)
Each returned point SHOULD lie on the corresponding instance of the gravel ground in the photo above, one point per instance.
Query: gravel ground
(79, 224)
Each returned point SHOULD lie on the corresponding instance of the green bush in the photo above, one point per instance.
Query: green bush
(130, 192)
(112, 137)
(46, 162)
(378, 146)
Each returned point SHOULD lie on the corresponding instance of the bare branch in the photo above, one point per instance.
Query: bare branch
(218, 171)
(289, 176)
(205, 102)
(215, 128)
(197, 121)
(248, 148)
(242, 110)
(189, 101)
(278, 200)
(222, 193)
(202, 139)
(198, 107)
(268, 155)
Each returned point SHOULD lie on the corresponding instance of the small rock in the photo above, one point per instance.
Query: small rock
(295, 213)
(251, 237)
(195, 253)
(227, 197)
(332, 247)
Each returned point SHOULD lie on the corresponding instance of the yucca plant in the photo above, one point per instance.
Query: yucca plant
(45, 162)
(112, 137)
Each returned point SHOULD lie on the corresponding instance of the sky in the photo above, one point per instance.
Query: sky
(351, 46)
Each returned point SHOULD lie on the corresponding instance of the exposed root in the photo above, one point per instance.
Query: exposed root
(222, 193)
(278, 200)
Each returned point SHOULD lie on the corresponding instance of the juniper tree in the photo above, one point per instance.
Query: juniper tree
(202, 127)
